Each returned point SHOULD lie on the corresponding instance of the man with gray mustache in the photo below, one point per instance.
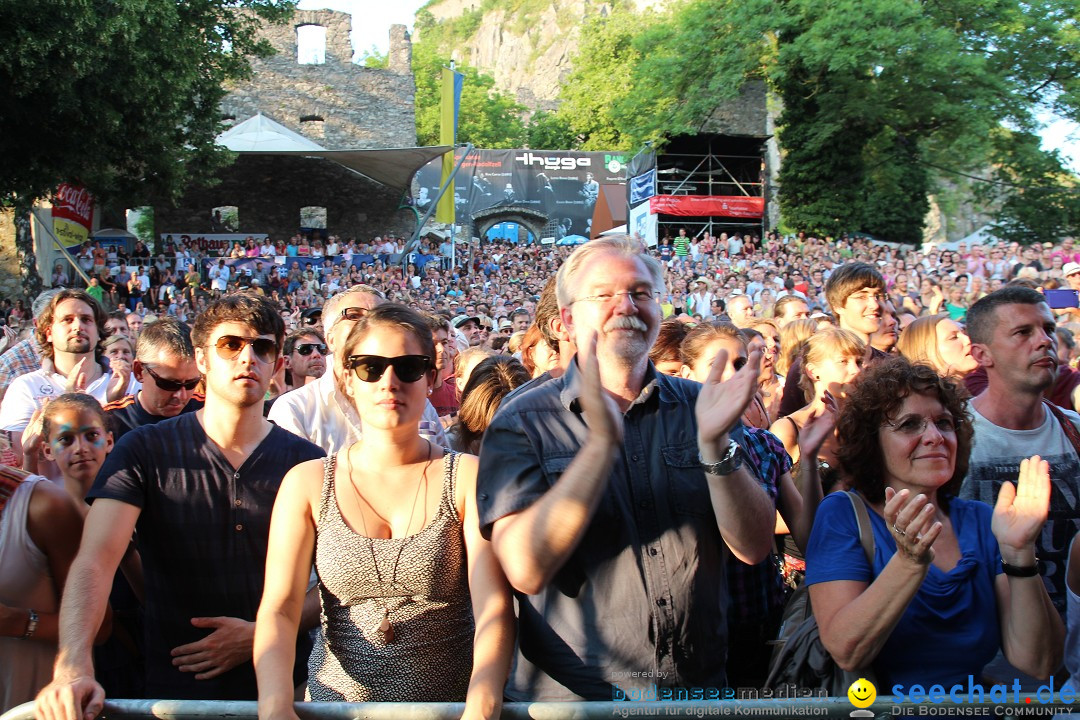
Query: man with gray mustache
(613, 495)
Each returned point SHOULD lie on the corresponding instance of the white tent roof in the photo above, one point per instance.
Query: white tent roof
(261, 134)
(393, 167)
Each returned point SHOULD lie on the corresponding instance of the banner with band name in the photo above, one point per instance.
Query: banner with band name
(563, 185)
(72, 214)
(738, 206)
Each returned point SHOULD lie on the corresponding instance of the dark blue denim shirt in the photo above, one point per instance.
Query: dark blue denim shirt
(640, 604)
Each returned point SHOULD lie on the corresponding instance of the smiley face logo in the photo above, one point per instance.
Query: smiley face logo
(862, 693)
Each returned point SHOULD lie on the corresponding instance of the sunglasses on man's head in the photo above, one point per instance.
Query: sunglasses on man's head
(172, 385)
(308, 348)
(407, 368)
(229, 347)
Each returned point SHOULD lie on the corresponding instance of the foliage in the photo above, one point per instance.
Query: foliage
(550, 131)
(122, 97)
(873, 92)
(144, 227)
(487, 118)
(373, 58)
(1039, 199)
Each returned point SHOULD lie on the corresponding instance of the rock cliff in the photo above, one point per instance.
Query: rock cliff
(525, 45)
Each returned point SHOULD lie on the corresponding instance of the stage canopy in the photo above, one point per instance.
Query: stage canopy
(393, 167)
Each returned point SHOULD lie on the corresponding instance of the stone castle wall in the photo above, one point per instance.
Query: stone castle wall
(355, 206)
(359, 107)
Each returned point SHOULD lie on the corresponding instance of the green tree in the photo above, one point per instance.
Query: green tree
(1037, 197)
(871, 91)
(550, 131)
(487, 118)
(121, 97)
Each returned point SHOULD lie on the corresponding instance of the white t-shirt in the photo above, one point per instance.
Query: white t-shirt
(219, 277)
(320, 414)
(28, 392)
(995, 458)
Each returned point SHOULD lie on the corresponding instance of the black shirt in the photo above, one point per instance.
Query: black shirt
(127, 413)
(203, 535)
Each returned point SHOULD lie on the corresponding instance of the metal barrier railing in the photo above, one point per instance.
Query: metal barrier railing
(1022, 706)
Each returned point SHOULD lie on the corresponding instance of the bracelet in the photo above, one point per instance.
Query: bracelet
(1021, 570)
(31, 625)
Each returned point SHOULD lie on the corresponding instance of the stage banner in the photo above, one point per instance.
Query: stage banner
(214, 243)
(643, 224)
(642, 187)
(72, 214)
(738, 206)
(563, 185)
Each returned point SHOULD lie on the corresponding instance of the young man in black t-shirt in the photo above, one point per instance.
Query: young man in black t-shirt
(199, 488)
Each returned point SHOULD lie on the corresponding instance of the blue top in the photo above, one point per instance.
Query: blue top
(950, 629)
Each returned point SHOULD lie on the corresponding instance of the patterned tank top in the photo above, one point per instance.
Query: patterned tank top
(397, 621)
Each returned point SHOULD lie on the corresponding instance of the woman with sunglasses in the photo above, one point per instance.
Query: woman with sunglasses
(414, 605)
(700, 347)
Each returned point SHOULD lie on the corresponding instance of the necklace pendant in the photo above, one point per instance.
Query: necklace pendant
(386, 629)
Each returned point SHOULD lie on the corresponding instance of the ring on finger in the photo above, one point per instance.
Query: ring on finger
(898, 531)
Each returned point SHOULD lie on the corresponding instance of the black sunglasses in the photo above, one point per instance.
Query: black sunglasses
(229, 347)
(407, 368)
(172, 385)
(307, 349)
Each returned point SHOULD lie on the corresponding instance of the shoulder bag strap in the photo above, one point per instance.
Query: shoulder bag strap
(866, 532)
(1066, 425)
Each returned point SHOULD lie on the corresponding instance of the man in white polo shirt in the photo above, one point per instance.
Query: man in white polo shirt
(317, 411)
(68, 332)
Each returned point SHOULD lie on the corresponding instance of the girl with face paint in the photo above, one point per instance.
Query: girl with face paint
(40, 527)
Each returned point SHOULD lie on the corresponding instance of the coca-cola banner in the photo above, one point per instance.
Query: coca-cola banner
(561, 184)
(73, 214)
(737, 206)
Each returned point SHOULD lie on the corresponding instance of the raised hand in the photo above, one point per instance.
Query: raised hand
(33, 438)
(720, 404)
(1021, 510)
(602, 415)
(817, 430)
(121, 376)
(77, 378)
(911, 522)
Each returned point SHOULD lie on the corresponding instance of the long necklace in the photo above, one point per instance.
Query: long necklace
(384, 631)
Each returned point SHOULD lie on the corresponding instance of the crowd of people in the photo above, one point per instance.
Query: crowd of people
(543, 474)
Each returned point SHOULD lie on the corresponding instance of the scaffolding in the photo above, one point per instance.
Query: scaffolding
(711, 165)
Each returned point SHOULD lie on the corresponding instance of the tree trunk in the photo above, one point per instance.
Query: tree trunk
(32, 284)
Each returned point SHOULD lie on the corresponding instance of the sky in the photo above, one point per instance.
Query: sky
(371, 27)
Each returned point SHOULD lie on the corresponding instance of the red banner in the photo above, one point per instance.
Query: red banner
(73, 214)
(738, 206)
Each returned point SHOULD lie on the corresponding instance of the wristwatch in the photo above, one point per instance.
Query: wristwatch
(732, 461)
(31, 626)
(1021, 570)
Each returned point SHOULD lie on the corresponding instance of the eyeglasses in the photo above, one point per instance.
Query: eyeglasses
(916, 425)
(407, 368)
(172, 385)
(638, 297)
(229, 347)
(308, 348)
(354, 313)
